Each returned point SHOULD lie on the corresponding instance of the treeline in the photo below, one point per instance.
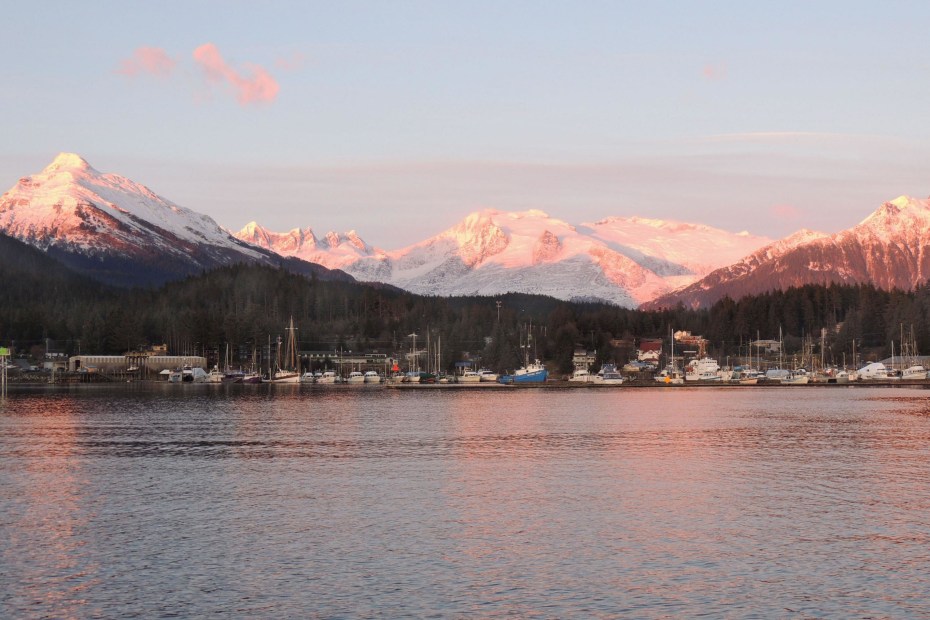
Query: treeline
(248, 306)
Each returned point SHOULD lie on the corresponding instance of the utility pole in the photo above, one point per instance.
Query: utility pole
(498, 302)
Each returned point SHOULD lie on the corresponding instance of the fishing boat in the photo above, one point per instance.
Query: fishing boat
(703, 369)
(531, 372)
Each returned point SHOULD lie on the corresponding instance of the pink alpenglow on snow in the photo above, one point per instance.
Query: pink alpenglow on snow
(258, 87)
(152, 60)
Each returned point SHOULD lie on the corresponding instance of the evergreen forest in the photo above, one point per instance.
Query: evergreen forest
(44, 305)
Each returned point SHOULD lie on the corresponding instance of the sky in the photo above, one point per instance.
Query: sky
(397, 119)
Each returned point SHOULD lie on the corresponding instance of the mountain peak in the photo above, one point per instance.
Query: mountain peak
(69, 162)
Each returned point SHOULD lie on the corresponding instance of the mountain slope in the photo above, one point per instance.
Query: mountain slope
(117, 230)
(621, 260)
(890, 249)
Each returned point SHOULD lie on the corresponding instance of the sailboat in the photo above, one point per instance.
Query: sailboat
(286, 371)
(670, 375)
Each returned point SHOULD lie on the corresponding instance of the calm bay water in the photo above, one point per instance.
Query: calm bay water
(297, 501)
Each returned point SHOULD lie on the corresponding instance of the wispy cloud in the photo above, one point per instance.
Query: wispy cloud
(292, 62)
(148, 60)
(786, 212)
(714, 73)
(252, 84)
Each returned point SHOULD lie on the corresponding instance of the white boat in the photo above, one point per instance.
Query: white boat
(308, 377)
(608, 375)
(872, 372)
(487, 375)
(215, 376)
(372, 376)
(703, 369)
(914, 373)
(581, 375)
(355, 378)
(327, 378)
(796, 379)
(175, 376)
(285, 376)
(470, 376)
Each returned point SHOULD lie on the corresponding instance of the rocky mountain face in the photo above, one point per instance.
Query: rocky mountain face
(119, 231)
(890, 249)
(625, 261)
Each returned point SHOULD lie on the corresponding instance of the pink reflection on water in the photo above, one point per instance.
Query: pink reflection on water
(49, 511)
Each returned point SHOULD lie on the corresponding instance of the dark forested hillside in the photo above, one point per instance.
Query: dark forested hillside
(246, 306)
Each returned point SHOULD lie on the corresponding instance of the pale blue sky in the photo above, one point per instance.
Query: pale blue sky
(399, 118)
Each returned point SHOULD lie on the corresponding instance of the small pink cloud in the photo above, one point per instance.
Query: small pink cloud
(255, 85)
(151, 60)
(786, 212)
(715, 73)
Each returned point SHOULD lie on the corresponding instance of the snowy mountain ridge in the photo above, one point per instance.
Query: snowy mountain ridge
(889, 249)
(621, 260)
(112, 227)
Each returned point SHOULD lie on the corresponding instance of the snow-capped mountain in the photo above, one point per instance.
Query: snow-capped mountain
(621, 260)
(890, 249)
(333, 250)
(116, 229)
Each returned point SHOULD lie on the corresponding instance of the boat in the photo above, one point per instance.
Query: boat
(251, 377)
(703, 369)
(328, 377)
(873, 372)
(372, 376)
(669, 376)
(796, 378)
(286, 371)
(487, 375)
(608, 375)
(534, 372)
(469, 376)
(175, 376)
(914, 373)
(215, 376)
(637, 366)
(581, 375)
(308, 377)
(355, 378)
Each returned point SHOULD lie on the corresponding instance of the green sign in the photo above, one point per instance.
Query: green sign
(4, 352)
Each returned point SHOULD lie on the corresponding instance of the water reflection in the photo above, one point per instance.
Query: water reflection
(48, 550)
(283, 501)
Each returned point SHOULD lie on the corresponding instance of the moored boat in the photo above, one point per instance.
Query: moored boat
(703, 369)
(487, 375)
(531, 373)
(469, 376)
(608, 375)
(581, 375)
